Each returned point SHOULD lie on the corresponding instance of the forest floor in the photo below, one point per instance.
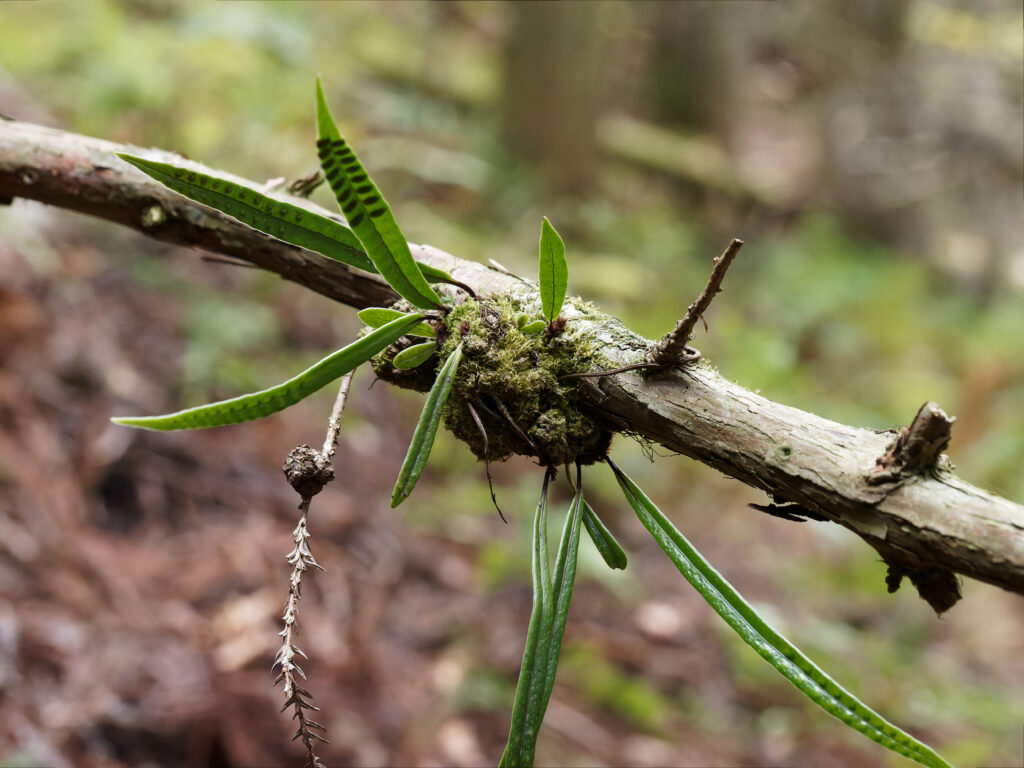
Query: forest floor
(144, 573)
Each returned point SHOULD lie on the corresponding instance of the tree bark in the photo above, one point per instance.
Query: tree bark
(923, 520)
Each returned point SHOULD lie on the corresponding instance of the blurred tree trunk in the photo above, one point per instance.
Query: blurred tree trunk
(553, 91)
(694, 66)
(866, 121)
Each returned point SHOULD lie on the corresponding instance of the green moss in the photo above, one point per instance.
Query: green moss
(513, 382)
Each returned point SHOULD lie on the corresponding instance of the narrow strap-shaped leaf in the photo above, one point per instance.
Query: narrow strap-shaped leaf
(553, 271)
(544, 637)
(368, 212)
(415, 355)
(375, 317)
(610, 549)
(773, 647)
(426, 429)
(562, 580)
(285, 221)
(268, 401)
(522, 739)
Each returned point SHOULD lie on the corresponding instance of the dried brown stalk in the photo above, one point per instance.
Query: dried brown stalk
(307, 472)
(672, 349)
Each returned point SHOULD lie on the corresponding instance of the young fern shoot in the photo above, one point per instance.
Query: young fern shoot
(553, 272)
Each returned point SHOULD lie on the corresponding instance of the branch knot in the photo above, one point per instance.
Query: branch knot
(307, 471)
(918, 446)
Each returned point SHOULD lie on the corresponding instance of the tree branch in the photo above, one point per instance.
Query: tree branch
(671, 348)
(922, 519)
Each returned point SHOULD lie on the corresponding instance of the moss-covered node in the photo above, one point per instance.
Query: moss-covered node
(512, 382)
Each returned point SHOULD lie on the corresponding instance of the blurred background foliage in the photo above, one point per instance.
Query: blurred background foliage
(869, 154)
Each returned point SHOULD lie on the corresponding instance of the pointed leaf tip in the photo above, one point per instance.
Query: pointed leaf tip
(368, 213)
(326, 127)
(610, 549)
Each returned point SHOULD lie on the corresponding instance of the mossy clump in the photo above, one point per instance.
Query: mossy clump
(513, 382)
(420, 378)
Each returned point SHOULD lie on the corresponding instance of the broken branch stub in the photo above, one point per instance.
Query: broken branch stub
(918, 447)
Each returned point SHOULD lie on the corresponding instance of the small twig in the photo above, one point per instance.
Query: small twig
(301, 559)
(334, 424)
(305, 185)
(690, 354)
(307, 472)
(271, 184)
(501, 267)
(670, 349)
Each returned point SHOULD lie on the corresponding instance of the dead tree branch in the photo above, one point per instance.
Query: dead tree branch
(672, 349)
(924, 521)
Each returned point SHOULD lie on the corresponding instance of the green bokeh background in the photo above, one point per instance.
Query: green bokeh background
(817, 315)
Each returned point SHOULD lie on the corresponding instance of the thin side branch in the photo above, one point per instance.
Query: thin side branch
(670, 350)
(334, 424)
(307, 472)
(690, 355)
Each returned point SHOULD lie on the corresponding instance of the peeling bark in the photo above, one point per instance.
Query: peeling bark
(924, 521)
